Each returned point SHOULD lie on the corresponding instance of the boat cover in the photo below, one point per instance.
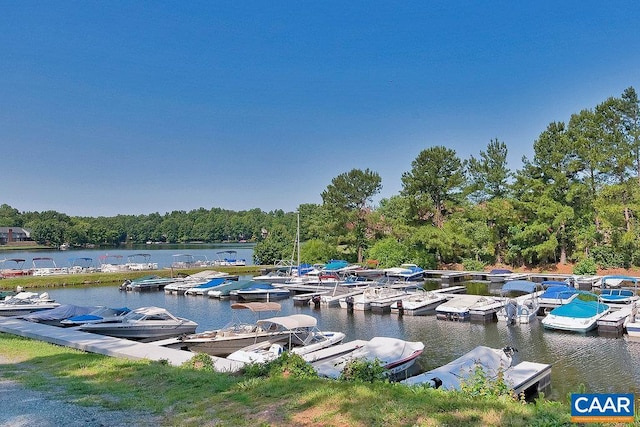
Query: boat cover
(294, 321)
(59, 313)
(580, 309)
(524, 286)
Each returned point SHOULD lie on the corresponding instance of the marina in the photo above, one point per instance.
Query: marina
(588, 359)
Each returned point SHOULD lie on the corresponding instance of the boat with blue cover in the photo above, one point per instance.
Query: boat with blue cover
(259, 292)
(581, 314)
(618, 296)
(556, 294)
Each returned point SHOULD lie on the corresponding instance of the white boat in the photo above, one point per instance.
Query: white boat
(111, 263)
(633, 322)
(55, 316)
(576, 316)
(26, 302)
(140, 262)
(146, 283)
(522, 305)
(618, 297)
(362, 301)
(617, 281)
(237, 334)
(46, 266)
(143, 324)
(259, 292)
(418, 303)
(224, 289)
(459, 307)
(304, 337)
(203, 288)
(228, 258)
(394, 354)
(180, 285)
(557, 294)
(451, 376)
(95, 316)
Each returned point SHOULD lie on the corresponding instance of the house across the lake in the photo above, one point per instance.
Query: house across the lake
(14, 235)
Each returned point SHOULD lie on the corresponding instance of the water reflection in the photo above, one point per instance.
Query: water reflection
(601, 364)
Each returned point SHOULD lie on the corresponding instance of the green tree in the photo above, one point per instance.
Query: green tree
(277, 246)
(489, 175)
(434, 184)
(347, 199)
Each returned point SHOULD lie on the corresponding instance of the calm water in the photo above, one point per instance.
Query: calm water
(601, 364)
(161, 254)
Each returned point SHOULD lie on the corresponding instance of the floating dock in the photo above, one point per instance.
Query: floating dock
(613, 322)
(109, 346)
(529, 378)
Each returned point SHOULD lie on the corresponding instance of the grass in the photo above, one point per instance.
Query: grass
(84, 279)
(191, 397)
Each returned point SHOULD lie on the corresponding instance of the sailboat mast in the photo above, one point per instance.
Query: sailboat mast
(298, 239)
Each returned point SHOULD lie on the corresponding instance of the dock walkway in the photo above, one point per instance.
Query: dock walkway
(109, 346)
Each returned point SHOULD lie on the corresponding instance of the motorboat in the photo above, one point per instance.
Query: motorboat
(46, 266)
(224, 289)
(633, 322)
(557, 294)
(459, 307)
(617, 281)
(229, 258)
(522, 305)
(362, 301)
(100, 314)
(304, 337)
(405, 273)
(149, 282)
(578, 315)
(205, 287)
(258, 291)
(80, 265)
(180, 285)
(143, 324)
(236, 335)
(112, 264)
(452, 376)
(418, 303)
(55, 316)
(26, 302)
(618, 296)
(394, 354)
(140, 262)
(14, 268)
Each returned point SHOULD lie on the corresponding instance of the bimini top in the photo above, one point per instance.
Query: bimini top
(294, 321)
(257, 306)
(524, 286)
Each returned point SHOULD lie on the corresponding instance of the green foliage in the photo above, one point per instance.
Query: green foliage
(585, 266)
(277, 246)
(472, 264)
(607, 257)
(479, 385)
(199, 362)
(389, 252)
(318, 251)
(287, 364)
(363, 370)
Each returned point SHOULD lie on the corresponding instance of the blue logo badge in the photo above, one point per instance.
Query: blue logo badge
(602, 408)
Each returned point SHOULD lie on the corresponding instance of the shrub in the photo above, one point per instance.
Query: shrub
(586, 266)
(199, 362)
(470, 264)
(363, 370)
(287, 364)
(478, 384)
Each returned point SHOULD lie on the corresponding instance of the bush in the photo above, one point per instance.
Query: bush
(478, 384)
(470, 264)
(586, 266)
(199, 362)
(363, 370)
(287, 364)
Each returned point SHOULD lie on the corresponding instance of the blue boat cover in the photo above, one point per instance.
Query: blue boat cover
(524, 286)
(500, 271)
(580, 309)
(336, 264)
(558, 291)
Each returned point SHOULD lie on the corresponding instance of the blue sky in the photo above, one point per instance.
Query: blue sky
(132, 107)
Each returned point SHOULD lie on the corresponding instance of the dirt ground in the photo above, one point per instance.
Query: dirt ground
(566, 269)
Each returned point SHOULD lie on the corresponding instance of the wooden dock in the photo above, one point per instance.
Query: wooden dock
(529, 378)
(109, 346)
(613, 322)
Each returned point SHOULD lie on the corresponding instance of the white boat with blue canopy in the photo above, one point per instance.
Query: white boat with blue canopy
(617, 281)
(523, 304)
(581, 314)
(557, 294)
(618, 296)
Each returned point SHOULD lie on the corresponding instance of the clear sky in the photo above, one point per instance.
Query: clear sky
(135, 107)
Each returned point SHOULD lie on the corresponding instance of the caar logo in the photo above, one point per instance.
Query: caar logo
(602, 408)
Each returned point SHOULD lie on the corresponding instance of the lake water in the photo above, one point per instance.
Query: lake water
(162, 254)
(601, 364)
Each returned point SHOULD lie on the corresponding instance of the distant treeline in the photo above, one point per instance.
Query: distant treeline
(576, 200)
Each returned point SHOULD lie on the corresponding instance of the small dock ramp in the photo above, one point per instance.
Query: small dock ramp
(109, 346)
